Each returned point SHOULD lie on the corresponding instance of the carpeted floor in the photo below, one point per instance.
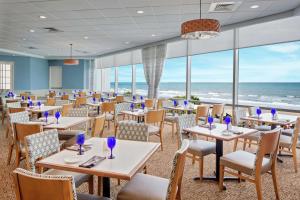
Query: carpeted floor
(160, 165)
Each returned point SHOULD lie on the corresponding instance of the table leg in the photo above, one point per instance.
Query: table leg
(106, 187)
(98, 110)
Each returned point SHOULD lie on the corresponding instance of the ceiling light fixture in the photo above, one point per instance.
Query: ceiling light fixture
(24, 39)
(71, 60)
(127, 42)
(42, 17)
(140, 12)
(32, 31)
(86, 37)
(200, 28)
(153, 35)
(254, 6)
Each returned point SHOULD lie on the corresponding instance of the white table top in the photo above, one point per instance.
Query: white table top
(136, 112)
(96, 104)
(282, 119)
(65, 122)
(138, 101)
(181, 108)
(217, 132)
(130, 156)
(36, 109)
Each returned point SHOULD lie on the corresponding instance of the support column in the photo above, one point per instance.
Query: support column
(188, 72)
(133, 83)
(116, 79)
(235, 83)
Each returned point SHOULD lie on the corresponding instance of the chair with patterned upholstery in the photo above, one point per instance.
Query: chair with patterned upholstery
(13, 105)
(146, 187)
(202, 114)
(119, 107)
(170, 117)
(198, 149)
(51, 102)
(251, 166)
(61, 102)
(155, 120)
(30, 185)
(66, 108)
(131, 130)
(44, 144)
(289, 143)
(8, 124)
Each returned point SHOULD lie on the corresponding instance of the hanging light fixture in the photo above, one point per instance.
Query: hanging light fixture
(200, 28)
(71, 60)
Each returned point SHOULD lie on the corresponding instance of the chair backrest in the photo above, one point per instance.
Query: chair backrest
(19, 117)
(167, 103)
(155, 116)
(80, 101)
(29, 186)
(267, 145)
(40, 145)
(121, 107)
(52, 94)
(296, 134)
(65, 97)
(15, 110)
(16, 104)
(97, 96)
(50, 102)
(159, 104)
(108, 107)
(252, 110)
(119, 99)
(22, 130)
(82, 94)
(98, 126)
(202, 111)
(238, 113)
(217, 110)
(33, 97)
(61, 102)
(25, 95)
(66, 108)
(177, 171)
(78, 112)
(131, 130)
(149, 103)
(184, 121)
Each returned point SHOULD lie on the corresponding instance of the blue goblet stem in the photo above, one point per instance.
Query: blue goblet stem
(46, 119)
(209, 126)
(227, 127)
(111, 155)
(57, 121)
(80, 149)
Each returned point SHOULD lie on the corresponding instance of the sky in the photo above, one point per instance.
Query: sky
(271, 63)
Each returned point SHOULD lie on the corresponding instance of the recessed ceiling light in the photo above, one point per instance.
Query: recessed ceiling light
(43, 17)
(127, 42)
(32, 31)
(140, 12)
(153, 35)
(86, 37)
(24, 39)
(254, 6)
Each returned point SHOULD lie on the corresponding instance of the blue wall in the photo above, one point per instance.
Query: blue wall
(39, 74)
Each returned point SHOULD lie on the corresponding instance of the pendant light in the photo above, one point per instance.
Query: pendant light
(71, 60)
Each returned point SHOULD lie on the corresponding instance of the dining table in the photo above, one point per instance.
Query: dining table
(181, 108)
(138, 114)
(39, 110)
(129, 158)
(63, 122)
(96, 104)
(220, 133)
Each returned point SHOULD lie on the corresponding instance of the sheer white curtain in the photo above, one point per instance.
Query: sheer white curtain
(153, 60)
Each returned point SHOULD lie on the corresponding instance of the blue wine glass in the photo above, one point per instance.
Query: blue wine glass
(185, 102)
(46, 114)
(174, 103)
(94, 100)
(59, 93)
(108, 95)
(273, 112)
(227, 121)
(111, 143)
(28, 98)
(64, 93)
(143, 106)
(80, 141)
(23, 98)
(39, 104)
(30, 103)
(210, 120)
(142, 98)
(74, 96)
(57, 116)
(133, 98)
(258, 112)
(132, 106)
(102, 99)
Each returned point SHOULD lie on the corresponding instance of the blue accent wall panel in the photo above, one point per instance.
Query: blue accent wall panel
(39, 72)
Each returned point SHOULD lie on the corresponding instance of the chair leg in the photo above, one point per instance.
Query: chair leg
(119, 181)
(201, 168)
(91, 185)
(193, 159)
(7, 131)
(294, 151)
(244, 144)
(258, 187)
(3, 117)
(273, 170)
(99, 186)
(161, 141)
(18, 158)
(145, 170)
(250, 142)
(235, 144)
(11, 147)
(221, 180)
(172, 129)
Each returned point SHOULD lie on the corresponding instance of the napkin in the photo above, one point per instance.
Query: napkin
(92, 162)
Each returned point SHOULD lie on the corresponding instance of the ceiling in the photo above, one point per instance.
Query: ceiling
(110, 25)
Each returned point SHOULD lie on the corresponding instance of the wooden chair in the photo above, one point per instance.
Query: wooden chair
(108, 109)
(82, 94)
(289, 143)
(32, 97)
(66, 108)
(50, 102)
(156, 117)
(159, 104)
(98, 126)
(119, 107)
(80, 101)
(145, 187)
(21, 131)
(198, 149)
(65, 97)
(254, 166)
(8, 125)
(119, 99)
(96, 95)
(52, 94)
(149, 103)
(218, 112)
(202, 114)
(30, 185)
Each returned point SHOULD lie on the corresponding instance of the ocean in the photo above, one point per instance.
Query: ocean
(279, 94)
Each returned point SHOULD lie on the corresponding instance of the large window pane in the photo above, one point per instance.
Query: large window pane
(211, 77)
(173, 78)
(141, 85)
(125, 79)
(269, 75)
(112, 79)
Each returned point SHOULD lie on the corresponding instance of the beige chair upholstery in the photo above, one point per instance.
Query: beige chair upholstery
(147, 187)
(250, 166)
(155, 120)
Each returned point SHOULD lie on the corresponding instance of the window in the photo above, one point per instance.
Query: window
(124, 79)
(172, 82)
(6, 75)
(269, 75)
(55, 77)
(211, 77)
(141, 84)
(112, 79)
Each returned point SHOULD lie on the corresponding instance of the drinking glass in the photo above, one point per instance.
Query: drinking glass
(210, 120)
(143, 106)
(102, 100)
(227, 121)
(57, 116)
(46, 114)
(39, 104)
(273, 112)
(80, 141)
(94, 100)
(185, 102)
(142, 98)
(258, 112)
(23, 98)
(175, 103)
(132, 106)
(111, 143)
(30, 103)
(133, 98)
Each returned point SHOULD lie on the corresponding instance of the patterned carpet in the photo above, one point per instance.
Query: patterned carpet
(160, 165)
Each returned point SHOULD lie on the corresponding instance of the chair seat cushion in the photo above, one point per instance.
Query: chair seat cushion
(78, 178)
(262, 128)
(254, 136)
(109, 116)
(68, 134)
(82, 196)
(144, 187)
(153, 129)
(202, 119)
(288, 132)
(201, 147)
(285, 141)
(244, 161)
(171, 119)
